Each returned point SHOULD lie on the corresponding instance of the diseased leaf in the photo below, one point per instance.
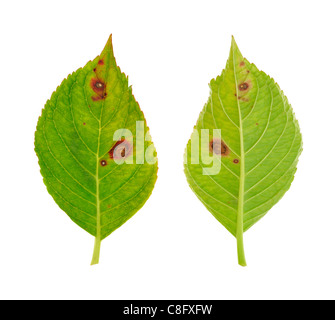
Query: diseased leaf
(244, 149)
(94, 148)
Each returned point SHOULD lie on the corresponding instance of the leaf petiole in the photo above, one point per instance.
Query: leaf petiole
(96, 251)
(240, 250)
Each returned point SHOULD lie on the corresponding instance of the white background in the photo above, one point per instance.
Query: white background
(172, 248)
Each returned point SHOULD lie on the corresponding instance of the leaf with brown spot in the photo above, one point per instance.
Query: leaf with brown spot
(262, 158)
(74, 137)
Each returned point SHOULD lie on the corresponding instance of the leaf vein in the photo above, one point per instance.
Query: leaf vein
(208, 193)
(59, 181)
(131, 198)
(266, 127)
(70, 175)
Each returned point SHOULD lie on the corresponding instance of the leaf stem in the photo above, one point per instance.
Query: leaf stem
(240, 249)
(96, 251)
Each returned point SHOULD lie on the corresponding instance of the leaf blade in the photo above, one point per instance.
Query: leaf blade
(76, 144)
(263, 140)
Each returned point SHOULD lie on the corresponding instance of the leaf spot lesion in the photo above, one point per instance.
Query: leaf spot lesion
(121, 150)
(99, 87)
(217, 146)
(103, 163)
(243, 86)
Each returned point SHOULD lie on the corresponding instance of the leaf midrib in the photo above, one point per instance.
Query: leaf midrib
(97, 180)
(240, 206)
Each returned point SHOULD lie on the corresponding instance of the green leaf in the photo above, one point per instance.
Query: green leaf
(242, 171)
(94, 148)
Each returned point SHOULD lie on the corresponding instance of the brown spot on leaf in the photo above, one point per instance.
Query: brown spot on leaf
(236, 161)
(103, 163)
(256, 123)
(243, 86)
(121, 150)
(242, 64)
(84, 123)
(97, 98)
(101, 62)
(217, 146)
(98, 87)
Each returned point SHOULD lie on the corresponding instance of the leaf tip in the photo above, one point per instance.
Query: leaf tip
(234, 46)
(233, 42)
(235, 51)
(109, 44)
